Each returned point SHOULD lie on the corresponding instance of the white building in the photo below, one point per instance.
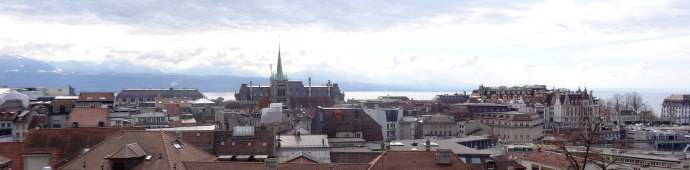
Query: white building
(389, 119)
(440, 126)
(512, 127)
(9, 95)
(521, 106)
(676, 108)
(312, 147)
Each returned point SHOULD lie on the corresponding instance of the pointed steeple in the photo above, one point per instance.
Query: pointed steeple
(279, 69)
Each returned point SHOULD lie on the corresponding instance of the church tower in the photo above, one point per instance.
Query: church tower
(279, 84)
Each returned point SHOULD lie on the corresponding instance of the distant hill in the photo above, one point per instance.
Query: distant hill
(115, 75)
(118, 81)
(9, 63)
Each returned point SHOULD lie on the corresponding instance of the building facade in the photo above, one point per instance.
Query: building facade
(676, 108)
(530, 93)
(512, 127)
(440, 126)
(572, 110)
(282, 90)
(134, 97)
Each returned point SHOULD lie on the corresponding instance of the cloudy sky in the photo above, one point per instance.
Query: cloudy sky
(612, 44)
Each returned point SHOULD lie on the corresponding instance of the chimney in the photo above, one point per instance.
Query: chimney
(428, 145)
(443, 156)
(251, 94)
(329, 88)
(298, 134)
(271, 163)
(309, 86)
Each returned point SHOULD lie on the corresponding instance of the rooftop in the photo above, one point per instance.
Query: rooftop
(280, 166)
(188, 128)
(96, 96)
(162, 151)
(407, 145)
(303, 141)
(415, 160)
(65, 143)
(12, 151)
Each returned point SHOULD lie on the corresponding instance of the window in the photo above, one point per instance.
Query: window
(391, 133)
(281, 92)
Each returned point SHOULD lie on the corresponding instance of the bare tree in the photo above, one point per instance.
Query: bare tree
(616, 103)
(634, 102)
(582, 151)
(647, 113)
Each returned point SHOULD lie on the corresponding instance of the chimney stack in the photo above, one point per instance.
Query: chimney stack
(329, 88)
(443, 156)
(491, 165)
(309, 86)
(428, 145)
(251, 94)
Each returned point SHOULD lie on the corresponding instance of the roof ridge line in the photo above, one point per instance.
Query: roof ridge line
(165, 147)
(94, 146)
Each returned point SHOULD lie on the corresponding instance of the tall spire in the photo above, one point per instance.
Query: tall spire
(279, 69)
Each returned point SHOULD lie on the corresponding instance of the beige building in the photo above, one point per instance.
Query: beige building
(439, 126)
(512, 127)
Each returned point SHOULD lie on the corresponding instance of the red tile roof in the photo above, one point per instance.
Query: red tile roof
(263, 102)
(89, 117)
(4, 161)
(95, 97)
(223, 143)
(400, 160)
(353, 157)
(159, 145)
(262, 166)
(542, 157)
(204, 139)
(311, 101)
(67, 143)
(12, 150)
(171, 109)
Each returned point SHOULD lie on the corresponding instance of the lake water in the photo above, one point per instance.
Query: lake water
(654, 97)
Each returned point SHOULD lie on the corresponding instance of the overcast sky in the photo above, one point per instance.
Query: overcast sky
(616, 44)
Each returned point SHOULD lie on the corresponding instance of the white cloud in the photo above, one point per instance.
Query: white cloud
(606, 44)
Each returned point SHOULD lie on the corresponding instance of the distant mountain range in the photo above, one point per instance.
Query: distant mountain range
(115, 75)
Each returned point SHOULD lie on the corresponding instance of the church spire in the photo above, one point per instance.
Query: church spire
(279, 69)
